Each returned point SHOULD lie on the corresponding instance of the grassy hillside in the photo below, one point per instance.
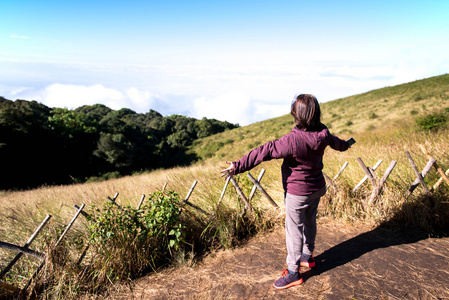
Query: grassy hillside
(382, 122)
(391, 109)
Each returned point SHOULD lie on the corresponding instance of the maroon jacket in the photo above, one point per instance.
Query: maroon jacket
(302, 152)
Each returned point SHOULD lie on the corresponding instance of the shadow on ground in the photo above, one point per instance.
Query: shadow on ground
(390, 260)
(349, 250)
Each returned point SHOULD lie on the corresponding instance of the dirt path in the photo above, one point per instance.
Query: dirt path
(352, 263)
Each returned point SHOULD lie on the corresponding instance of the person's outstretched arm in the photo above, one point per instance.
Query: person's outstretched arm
(338, 144)
(274, 149)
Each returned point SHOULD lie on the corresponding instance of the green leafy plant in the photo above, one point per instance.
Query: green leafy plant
(373, 115)
(433, 121)
(128, 241)
(161, 218)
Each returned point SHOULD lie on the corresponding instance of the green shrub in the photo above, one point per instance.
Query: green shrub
(128, 241)
(419, 98)
(373, 115)
(103, 177)
(432, 121)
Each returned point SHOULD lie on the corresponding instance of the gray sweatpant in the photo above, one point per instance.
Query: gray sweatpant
(300, 226)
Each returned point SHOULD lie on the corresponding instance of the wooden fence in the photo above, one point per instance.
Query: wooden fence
(376, 183)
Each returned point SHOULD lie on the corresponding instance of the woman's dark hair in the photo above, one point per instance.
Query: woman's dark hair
(307, 113)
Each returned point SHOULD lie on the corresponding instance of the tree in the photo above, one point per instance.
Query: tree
(41, 145)
(71, 123)
(116, 150)
(94, 113)
(24, 136)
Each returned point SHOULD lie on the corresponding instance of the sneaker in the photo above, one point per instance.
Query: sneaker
(307, 261)
(287, 280)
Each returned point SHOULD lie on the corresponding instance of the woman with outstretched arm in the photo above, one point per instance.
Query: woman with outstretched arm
(302, 178)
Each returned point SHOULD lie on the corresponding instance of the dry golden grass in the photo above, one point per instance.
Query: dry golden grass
(21, 212)
(386, 136)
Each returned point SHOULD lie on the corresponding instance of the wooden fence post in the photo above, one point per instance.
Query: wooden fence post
(19, 249)
(377, 185)
(57, 243)
(423, 174)
(367, 172)
(240, 192)
(341, 170)
(253, 190)
(382, 181)
(186, 200)
(118, 206)
(85, 214)
(257, 184)
(113, 199)
(141, 201)
(70, 224)
(327, 179)
(421, 180)
(224, 190)
(190, 191)
(440, 180)
(366, 177)
(27, 244)
(439, 170)
(88, 217)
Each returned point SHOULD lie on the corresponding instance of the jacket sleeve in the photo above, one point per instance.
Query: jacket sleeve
(274, 149)
(338, 144)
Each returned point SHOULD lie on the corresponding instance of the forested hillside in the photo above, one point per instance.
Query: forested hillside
(43, 145)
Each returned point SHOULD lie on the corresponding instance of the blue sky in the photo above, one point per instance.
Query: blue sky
(240, 61)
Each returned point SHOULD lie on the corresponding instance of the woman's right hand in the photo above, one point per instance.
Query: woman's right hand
(228, 171)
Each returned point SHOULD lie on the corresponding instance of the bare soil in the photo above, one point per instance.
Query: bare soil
(354, 262)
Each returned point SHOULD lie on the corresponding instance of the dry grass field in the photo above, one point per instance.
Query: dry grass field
(383, 122)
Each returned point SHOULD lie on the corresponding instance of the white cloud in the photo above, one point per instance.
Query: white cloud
(238, 107)
(234, 107)
(140, 101)
(266, 111)
(239, 93)
(73, 96)
(19, 90)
